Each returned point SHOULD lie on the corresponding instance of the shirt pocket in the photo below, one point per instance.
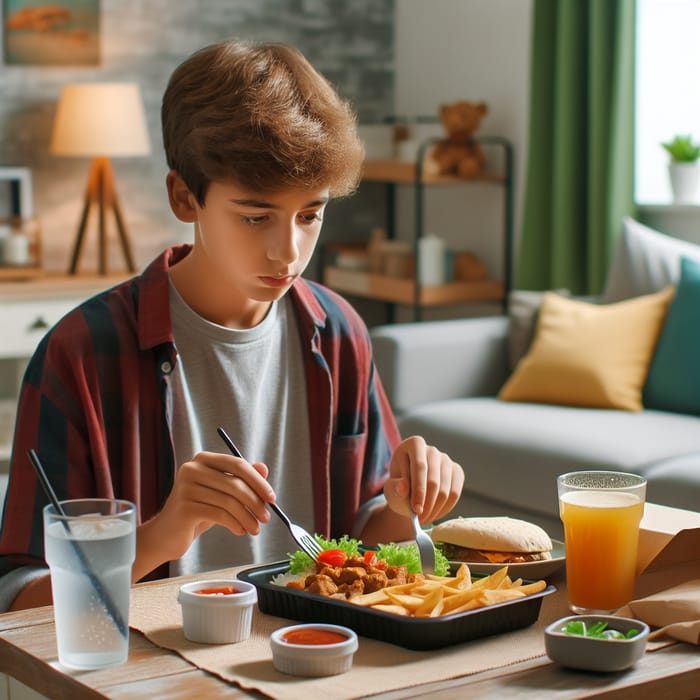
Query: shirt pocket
(346, 480)
(346, 449)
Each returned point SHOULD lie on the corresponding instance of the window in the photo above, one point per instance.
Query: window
(667, 89)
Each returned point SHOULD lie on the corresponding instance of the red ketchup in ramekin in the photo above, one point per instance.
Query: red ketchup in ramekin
(313, 635)
(223, 590)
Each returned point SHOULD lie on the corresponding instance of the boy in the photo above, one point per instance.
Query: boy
(124, 396)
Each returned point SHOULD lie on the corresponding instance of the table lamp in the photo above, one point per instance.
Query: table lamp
(101, 121)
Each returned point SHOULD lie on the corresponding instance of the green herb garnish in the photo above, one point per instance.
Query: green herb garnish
(597, 630)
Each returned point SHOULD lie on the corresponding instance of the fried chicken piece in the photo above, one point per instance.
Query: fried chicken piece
(320, 584)
(353, 588)
(375, 581)
(397, 575)
(348, 574)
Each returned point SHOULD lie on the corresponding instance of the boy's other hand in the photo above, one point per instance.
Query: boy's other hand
(424, 478)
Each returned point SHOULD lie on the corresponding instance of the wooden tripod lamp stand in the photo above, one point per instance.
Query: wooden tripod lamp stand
(100, 121)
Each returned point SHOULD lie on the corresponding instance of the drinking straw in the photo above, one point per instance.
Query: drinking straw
(102, 593)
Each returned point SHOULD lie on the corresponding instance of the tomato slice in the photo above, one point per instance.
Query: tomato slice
(333, 557)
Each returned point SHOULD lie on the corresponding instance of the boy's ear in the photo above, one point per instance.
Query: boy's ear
(182, 201)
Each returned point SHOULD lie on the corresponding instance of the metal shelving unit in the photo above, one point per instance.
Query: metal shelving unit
(409, 291)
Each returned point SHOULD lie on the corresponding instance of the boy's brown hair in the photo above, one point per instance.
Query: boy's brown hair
(260, 116)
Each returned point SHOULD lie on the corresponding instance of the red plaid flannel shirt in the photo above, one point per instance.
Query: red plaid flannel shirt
(95, 398)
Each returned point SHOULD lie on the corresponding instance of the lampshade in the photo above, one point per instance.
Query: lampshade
(100, 119)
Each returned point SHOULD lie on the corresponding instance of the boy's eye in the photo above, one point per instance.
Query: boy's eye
(254, 219)
(311, 216)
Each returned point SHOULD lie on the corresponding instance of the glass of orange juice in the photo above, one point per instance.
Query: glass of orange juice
(601, 512)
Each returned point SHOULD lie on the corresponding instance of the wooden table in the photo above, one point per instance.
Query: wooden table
(28, 654)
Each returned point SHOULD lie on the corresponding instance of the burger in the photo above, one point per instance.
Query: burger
(496, 540)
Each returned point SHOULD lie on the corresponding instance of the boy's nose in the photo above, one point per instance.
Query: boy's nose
(284, 246)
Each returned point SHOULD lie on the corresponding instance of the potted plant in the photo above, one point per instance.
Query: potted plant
(684, 170)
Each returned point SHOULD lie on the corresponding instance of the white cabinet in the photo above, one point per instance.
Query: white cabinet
(27, 310)
(24, 323)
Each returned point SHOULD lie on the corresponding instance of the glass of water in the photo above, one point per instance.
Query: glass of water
(90, 548)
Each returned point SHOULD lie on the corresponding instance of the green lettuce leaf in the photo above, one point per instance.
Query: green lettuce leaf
(407, 554)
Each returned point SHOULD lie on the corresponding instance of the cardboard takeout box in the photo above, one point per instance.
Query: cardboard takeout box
(667, 536)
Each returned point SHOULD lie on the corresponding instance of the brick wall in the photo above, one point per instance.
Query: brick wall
(350, 41)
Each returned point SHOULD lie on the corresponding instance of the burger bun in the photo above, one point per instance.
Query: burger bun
(494, 539)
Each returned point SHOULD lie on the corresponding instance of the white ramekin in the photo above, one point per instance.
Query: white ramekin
(313, 659)
(217, 619)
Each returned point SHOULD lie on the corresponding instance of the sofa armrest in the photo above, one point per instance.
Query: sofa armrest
(434, 360)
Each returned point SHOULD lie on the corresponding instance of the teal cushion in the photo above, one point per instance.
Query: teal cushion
(673, 382)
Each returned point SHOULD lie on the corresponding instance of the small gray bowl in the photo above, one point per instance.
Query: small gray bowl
(594, 654)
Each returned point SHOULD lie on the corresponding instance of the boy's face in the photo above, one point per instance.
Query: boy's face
(260, 242)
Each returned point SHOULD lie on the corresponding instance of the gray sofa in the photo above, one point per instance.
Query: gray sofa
(442, 378)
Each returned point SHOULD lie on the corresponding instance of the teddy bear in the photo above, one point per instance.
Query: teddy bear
(458, 154)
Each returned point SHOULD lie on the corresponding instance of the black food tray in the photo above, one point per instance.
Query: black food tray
(409, 632)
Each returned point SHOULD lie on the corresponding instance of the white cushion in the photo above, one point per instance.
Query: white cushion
(645, 262)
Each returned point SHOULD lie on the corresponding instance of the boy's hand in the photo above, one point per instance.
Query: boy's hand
(423, 477)
(211, 489)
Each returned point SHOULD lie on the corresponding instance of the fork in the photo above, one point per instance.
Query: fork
(306, 542)
(426, 548)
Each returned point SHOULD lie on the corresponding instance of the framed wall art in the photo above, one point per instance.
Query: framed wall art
(16, 193)
(20, 235)
(61, 34)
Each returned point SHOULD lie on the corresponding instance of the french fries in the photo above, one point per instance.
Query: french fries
(435, 596)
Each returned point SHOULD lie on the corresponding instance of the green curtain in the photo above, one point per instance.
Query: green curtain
(580, 171)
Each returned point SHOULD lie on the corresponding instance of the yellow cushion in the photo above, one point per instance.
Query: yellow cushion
(590, 355)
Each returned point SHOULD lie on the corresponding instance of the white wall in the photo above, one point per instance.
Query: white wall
(447, 50)
(480, 50)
